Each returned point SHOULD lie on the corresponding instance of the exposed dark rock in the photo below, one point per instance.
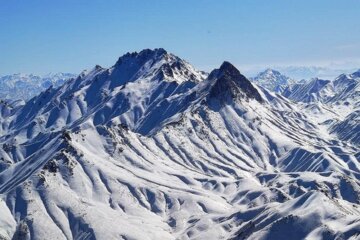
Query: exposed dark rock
(52, 166)
(66, 135)
(231, 84)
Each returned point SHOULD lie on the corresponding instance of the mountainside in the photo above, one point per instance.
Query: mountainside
(336, 102)
(152, 148)
(273, 80)
(25, 86)
(309, 72)
(314, 90)
(344, 87)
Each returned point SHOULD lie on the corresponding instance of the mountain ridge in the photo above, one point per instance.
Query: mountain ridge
(173, 155)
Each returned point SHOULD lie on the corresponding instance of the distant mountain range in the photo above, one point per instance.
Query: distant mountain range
(152, 148)
(309, 72)
(25, 86)
(343, 88)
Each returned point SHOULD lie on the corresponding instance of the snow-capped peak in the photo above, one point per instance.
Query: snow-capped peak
(273, 80)
(346, 80)
(355, 74)
(157, 64)
(142, 56)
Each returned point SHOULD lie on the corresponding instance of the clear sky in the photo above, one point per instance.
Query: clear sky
(40, 36)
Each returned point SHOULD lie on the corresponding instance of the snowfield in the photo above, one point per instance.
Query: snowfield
(152, 148)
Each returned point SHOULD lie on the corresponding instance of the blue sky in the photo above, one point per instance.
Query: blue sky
(41, 36)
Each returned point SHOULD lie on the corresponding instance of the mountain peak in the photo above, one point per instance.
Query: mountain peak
(272, 71)
(143, 55)
(356, 74)
(273, 80)
(230, 84)
(228, 67)
(269, 72)
(156, 64)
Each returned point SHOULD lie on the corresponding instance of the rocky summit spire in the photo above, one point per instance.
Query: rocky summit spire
(142, 56)
(231, 84)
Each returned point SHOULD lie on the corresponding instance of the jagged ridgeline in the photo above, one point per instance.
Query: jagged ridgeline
(152, 148)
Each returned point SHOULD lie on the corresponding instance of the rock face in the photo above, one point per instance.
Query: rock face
(230, 84)
(169, 152)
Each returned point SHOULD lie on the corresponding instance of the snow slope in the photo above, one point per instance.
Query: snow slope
(313, 91)
(151, 148)
(336, 103)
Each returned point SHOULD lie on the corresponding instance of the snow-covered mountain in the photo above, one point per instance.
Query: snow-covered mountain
(344, 88)
(309, 72)
(273, 80)
(314, 90)
(152, 148)
(337, 101)
(25, 86)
